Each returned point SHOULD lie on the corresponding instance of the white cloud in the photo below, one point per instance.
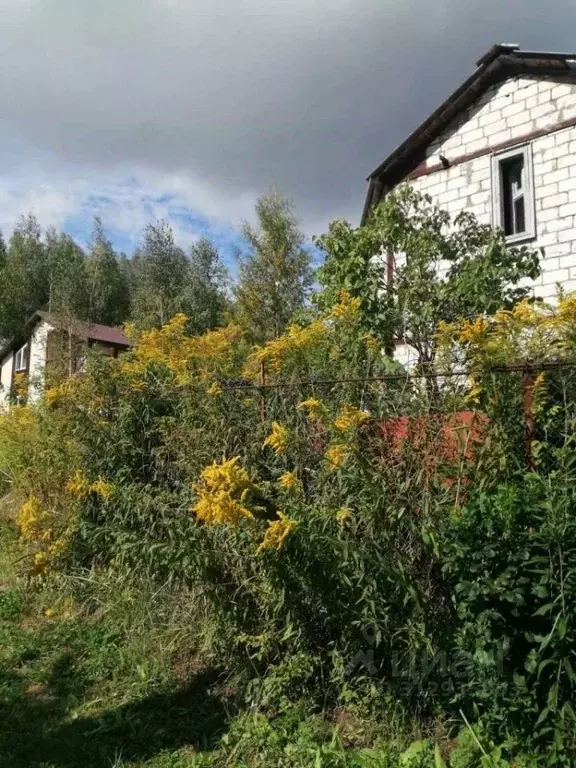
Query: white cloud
(127, 200)
(214, 100)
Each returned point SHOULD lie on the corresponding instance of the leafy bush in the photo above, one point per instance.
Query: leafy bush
(348, 535)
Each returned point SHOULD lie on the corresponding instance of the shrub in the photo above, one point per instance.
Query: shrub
(347, 534)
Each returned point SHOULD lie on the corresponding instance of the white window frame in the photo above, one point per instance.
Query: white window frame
(525, 151)
(22, 356)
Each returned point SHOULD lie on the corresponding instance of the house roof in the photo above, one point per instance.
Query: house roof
(496, 65)
(104, 334)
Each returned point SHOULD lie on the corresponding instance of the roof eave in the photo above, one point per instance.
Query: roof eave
(16, 341)
(499, 63)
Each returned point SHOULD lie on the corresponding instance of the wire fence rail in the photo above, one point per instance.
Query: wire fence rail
(528, 368)
(516, 383)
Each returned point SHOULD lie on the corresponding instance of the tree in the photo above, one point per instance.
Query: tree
(350, 264)
(442, 269)
(3, 252)
(67, 276)
(24, 283)
(160, 277)
(109, 292)
(275, 276)
(206, 292)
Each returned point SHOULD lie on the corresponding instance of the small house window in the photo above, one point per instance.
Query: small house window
(513, 194)
(21, 359)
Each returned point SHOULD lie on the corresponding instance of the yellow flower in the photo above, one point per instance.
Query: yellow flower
(296, 341)
(220, 508)
(277, 533)
(53, 395)
(349, 418)
(174, 349)
(372, 343)
(102, 488)
(29, 517)
(278, 438)
(315, 409)
(472, 331)
(20, 386)
(49, 612)
(78, 485)
(539, 381)
(222, 491)
(567, 308)
(337, 455)
(524, 311)
(60, 545)
(347, 308)
(226, 476)
(343, 514)
(476, 390)
(528, 331)
(214, 389)
(288, 480)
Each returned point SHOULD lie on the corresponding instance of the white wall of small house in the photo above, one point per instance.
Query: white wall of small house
(37, 358)
(6, 377)
(506, 112)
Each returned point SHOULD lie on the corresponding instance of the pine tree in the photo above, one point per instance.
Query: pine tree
(275, 276)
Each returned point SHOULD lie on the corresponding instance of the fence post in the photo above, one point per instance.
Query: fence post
(389, 346)
(262, 391)
(528, 380)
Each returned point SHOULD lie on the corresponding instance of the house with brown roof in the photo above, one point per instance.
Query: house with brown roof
(502, 146)
(53, 344)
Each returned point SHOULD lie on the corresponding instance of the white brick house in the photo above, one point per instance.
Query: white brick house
(502, 146)
(52, 343)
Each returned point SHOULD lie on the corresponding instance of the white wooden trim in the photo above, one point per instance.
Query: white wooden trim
(497, 201)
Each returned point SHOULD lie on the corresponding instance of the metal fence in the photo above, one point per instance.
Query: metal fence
(530, 402)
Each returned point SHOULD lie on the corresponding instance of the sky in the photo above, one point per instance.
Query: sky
(187, 110)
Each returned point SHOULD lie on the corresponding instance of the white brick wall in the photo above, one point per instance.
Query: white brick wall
(37, 354)
(6, 377)
(505, 112)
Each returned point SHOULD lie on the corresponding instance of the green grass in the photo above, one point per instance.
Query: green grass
(119, 677)
(96, 673)
(96, 684)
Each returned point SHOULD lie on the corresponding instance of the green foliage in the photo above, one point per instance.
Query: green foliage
(99, 672)
(275, 275)
(351, 264)
(52, 272)
(510, 556)
(344, 551)
(67, 286)
(107, 280)
(165, 282)
(207, 303)
(432, 575)
(443, 269)
(159, 276)
(24, 280)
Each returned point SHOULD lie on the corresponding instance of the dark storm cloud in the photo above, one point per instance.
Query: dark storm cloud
(239, 94)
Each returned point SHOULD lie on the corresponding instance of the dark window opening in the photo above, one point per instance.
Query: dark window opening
(513, 195)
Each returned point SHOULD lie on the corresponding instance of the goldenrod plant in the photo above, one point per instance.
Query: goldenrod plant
(345, 569)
